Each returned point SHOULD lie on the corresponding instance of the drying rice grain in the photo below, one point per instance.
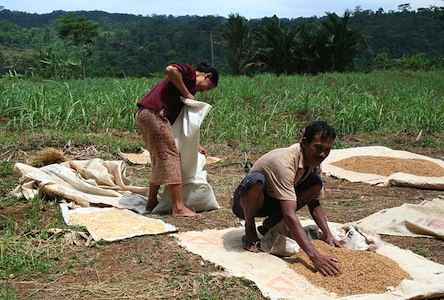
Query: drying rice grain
(361, 271)
(111, 223)
(386, 166)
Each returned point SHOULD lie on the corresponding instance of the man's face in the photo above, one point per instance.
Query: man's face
(317, 150)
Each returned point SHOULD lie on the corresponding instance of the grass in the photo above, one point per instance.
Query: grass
(266, 110)
(24, 248)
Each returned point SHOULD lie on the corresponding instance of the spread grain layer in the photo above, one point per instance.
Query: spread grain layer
(386, 166)
(361, 272)
(114, 222)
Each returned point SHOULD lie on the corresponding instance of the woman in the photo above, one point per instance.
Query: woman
(157, 112)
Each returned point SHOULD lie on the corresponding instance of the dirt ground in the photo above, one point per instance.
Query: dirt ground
(155, 267)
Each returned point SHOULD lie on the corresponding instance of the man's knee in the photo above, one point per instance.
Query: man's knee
(315, 189)
(257, 190)
(252, 201)
(254, 197)
(312, 182)
(249, 194)
(305, 196)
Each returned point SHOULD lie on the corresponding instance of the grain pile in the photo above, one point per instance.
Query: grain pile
(47, 156)
(386, 166)
(361, 271)
(111, 223)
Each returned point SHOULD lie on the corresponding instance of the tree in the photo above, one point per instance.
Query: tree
(308, 52)
(275, 47)
(80, 32)
(237, 40)
(342, 43)
(439, 12)
(404, 7)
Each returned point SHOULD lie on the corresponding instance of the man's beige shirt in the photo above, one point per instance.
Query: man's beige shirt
(283, 168)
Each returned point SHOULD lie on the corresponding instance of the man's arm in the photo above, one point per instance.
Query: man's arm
(327, 265)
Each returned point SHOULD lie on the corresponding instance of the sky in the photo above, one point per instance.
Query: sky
(250, 9)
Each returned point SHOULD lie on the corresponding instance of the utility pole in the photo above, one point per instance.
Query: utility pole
(212, 50)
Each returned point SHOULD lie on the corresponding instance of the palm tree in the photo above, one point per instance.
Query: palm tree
(275, 48)
(342, 43)
(237, 40)
(308, 50)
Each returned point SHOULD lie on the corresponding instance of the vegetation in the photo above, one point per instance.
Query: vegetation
(253, 113)
(80, 33)
(120, 45)
(46, 93)
(270, 109)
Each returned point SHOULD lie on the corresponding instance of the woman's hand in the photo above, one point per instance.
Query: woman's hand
(202, 150)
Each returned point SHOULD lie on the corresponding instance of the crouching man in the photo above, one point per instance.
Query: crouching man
(283, 181)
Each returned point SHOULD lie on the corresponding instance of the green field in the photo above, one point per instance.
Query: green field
(252, 114)
(266, 109)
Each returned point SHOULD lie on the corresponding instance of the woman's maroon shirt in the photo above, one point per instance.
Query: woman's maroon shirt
(167, 97)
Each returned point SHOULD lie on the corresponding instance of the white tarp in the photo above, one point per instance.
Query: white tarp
(85, 182)
(396, 179)
(422, 220)
(277, 281)
(102, 224)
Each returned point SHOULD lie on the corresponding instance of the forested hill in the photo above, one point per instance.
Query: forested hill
(136, 45)
(29, 20)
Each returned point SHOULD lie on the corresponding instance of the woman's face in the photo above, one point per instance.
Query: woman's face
(203, 82)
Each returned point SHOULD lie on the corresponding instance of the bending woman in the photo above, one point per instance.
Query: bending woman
(157, 112)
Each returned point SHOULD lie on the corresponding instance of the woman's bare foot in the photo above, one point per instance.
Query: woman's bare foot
(186, 212)
(151, 205)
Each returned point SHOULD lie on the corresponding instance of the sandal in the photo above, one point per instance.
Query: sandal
(251, 246)
(262, 229)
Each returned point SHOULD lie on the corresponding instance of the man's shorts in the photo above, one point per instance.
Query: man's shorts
(271, 204)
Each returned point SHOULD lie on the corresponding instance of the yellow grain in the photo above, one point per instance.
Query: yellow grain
(361, 272)
(110, 223)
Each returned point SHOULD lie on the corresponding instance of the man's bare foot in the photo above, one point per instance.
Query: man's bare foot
(186, 212)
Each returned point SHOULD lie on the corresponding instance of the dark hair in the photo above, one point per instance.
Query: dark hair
(205, 68)
(319, 127)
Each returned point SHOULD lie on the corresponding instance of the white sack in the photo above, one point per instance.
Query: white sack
(353, 237)
(83, 182)
(198, 194)
(278, 241)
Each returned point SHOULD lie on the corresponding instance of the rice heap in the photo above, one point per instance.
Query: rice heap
(386, 166)
(361, 272)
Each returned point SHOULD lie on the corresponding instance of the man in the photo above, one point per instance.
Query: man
(283, 181)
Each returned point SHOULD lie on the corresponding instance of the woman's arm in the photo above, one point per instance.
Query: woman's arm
(176, 78)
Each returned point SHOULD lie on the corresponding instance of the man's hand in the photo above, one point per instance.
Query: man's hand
(333, 242)
(327, 265)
